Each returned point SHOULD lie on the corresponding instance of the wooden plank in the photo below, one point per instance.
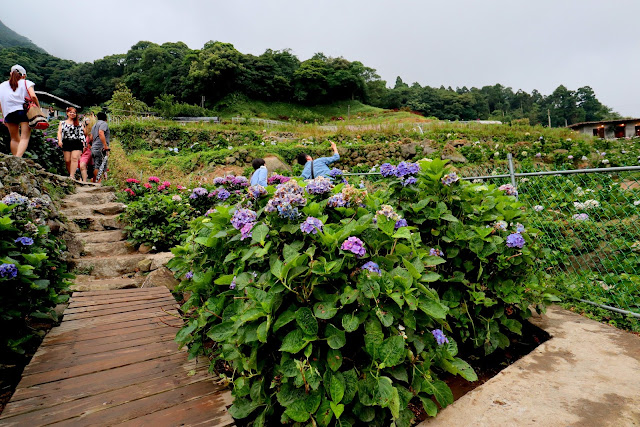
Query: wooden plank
(119, 308)
(88, 302)
(53, 413)
(122, 304)
(57, 337)
(206, 411)
(70, 354)
(115, 318)
(112, 379)
(121, 292)
(98, 362)
(137, 408)
(113, 362)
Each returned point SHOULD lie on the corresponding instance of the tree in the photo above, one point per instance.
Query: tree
(123, 102)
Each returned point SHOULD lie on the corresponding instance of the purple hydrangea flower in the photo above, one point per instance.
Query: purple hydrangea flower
(220, 180)
(439, 336)
(581, 217)
(198, 192)
(233, 283)
(223, 194)
(286, 200)
(508, 189)
(256, 191)
(335, 172)
(401, 223)
(320, 185)
(519, 228)
(245, 231)
(242, 217)
(24, 241)
(435, 252)
(387, 169)
(337, 201)
(8, 270)
(409, 181)
(355, 245)
(405, 169)
(515, 240)
(372, 267)
(277, 179)
(450, 178)
(189, 275)
(14, 198)
(311, 225)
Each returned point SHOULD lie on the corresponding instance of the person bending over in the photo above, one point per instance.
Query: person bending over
(318, 167)
(259, 177)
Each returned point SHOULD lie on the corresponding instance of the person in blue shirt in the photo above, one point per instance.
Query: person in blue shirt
(318, 167)
(259, 177)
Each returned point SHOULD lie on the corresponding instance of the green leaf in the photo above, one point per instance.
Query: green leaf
(394, 405)
(464, 369)
(297, 412)
(222, 331)
(241, 408)
(432, 261)
(350, 322)
(293, 342)
(513, 325)
(434, 309)
(349, 295)
(392, 351)
(290, 252)
(400, 373)
(325, 310)
(369, 287)
(429, 406)
(335, 337)
(259, 233)
(334, 359)
(324, 414)
(430, 277)
(306, 321)
(337, 409)
(350, 385)
(441, 391)
(276, 267)
(402, 233)
(410, 267)
(285, 318)
(384, 391)
(449, 217)
(336, 389)
(386, 225)
(386, 318)
(263, 331)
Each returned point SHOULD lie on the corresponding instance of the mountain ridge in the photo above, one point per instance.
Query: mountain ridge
(9, 38)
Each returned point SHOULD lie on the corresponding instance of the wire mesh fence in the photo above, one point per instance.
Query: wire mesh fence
(590, 228)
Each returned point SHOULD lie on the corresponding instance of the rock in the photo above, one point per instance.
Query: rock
(59, 310)
(144, 265)
(560, 151)
(230, 160)
(459, 142)
(160, 259)
(273, 163)
(454, 157)
(74, 245)
(161, 277)
(144, 249)
(408, 150)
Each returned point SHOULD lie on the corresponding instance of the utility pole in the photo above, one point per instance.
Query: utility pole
(348, 111)
(202, 102)
(549, 116)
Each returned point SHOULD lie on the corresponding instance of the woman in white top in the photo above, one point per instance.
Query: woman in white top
(12, 97)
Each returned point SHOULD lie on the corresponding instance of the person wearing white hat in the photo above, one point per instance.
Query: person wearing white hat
(12, 98)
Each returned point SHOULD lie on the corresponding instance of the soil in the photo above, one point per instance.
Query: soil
(488, 367)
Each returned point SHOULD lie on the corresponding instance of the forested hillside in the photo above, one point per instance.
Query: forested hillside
(223, 75)
(9, 38)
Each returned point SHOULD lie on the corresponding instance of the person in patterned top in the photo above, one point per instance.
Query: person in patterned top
(71, 139)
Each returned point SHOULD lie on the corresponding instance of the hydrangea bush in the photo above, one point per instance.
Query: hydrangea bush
(341, 307)
(33, 277)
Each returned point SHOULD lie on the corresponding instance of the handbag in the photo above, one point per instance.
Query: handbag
(36, 118)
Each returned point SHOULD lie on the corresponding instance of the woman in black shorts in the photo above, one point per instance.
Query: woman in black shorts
(71, 139)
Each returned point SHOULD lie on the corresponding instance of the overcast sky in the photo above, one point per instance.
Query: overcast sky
(533, 44)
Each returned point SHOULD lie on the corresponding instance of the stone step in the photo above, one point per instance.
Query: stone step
(87, 199)
(101, 236)
(90, 187)
(115, 266)
(94, 284)
(96, 222)
(121, 247)
(112, 208)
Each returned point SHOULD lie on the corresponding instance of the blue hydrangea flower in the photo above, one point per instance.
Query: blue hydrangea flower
(405, 168)
(245, 231)
(223, 194)
(189, 275)
(436, 252)
(401, 223)
(8, 270)
(256, 191)
(337, 201)
(519, 228)
(440, 337)
(311, 225)
(320, 185)
(24, 241)
(335, 172)
(372, 267)
(233, 283)
(387, 169)
(515, 240)
(409, 181)
(198, 192)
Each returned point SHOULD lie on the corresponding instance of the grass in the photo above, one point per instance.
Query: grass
(283, 110)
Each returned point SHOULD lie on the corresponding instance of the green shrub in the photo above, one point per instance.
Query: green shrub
(352, 319)
(33, 277)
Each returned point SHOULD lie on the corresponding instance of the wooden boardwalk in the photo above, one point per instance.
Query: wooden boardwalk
(113, 361)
